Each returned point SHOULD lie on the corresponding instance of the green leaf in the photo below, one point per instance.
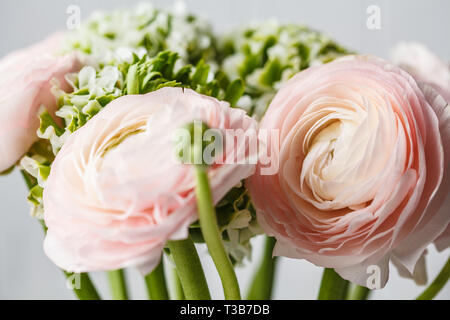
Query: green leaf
(271, 73)
(46, 121)
(250, 63)
(104, 100)
(35, 195)
(234, 92)
(304, 54)
(269, 42)
(167, 84)
(201, 73)
(133, 80)
(91, 108)
(222, 79)
(150, 76)
(183, 74)
(167, 69)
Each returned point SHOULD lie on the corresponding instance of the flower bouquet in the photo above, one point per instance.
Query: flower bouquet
(141, 133)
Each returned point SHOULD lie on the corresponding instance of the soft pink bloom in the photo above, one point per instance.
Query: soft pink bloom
(363, 168)
(423, 65)
(25, 85)
(430, 72)
(116, 194)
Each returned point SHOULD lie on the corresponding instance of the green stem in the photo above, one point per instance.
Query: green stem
(332, 287)
(86, 289)
(28, 179)
(118, 284)
(189, 269)
(261, 287)
(82, 286)
(437, 284)
(176, 289)
(357, 292)
(212, 236)
(156, 283)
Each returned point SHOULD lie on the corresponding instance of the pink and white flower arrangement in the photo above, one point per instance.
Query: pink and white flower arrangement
(360, 147)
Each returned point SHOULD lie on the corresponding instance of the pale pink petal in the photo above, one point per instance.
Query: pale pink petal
(26, 79)
(363, 158)
(116, 192)
(419, 275)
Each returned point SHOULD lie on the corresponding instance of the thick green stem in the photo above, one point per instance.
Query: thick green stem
(212, 236)
(261, 287)
(176, 289)
(332, 287)
(81, 284)
(156, 283)
(438, 283)
(118, 284)
(189, 269)
(357, 292)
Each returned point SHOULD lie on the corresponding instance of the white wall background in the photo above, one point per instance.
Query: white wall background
(26, 273)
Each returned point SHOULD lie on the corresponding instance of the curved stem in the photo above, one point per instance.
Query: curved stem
(261, 287)
(332, 287)
(176, 289)
(437, 284)
(357, 292)
(118, 284)
(156, 283)
(212, 236)
(189, 269)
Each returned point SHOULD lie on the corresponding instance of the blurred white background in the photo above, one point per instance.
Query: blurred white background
(26, 273)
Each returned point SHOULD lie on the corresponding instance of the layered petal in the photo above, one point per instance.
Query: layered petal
(116, 192)
(26, 79)
(363, 168)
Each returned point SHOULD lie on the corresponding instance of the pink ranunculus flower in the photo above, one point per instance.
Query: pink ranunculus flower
(423, 65)
(26, 79)
(433, 76)
(116, 194)
(363, 169)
